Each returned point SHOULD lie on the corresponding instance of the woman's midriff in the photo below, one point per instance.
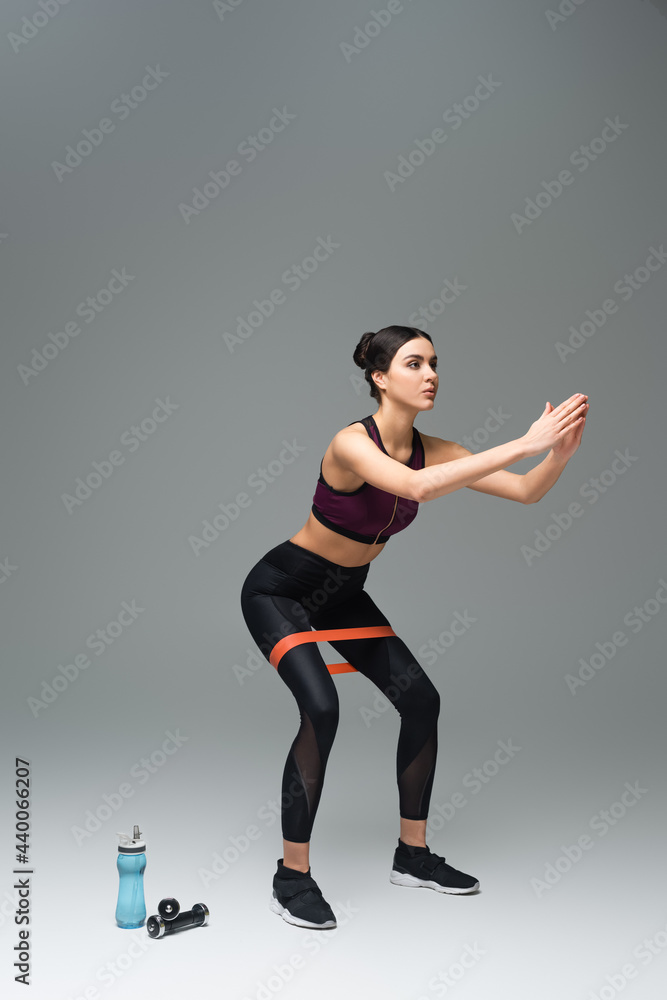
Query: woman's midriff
(334, 547)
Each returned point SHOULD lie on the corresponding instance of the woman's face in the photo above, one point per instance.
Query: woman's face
(412, 378)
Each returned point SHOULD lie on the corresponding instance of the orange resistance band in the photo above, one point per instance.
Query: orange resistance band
(325, 635)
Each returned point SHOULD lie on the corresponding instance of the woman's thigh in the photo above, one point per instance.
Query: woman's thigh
(270, 615)
(386, 660)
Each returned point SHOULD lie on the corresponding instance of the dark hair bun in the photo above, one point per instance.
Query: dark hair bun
(361, 350)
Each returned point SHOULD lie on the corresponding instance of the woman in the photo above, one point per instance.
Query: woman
(373, 476)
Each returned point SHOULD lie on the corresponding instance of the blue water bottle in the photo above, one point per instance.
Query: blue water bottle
(131, 864)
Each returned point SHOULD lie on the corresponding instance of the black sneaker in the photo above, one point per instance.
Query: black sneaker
(297, 898)
(416, 866)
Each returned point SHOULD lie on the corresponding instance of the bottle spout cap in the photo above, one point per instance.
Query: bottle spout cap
(131, 844)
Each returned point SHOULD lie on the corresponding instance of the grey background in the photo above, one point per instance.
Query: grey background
(178, 667)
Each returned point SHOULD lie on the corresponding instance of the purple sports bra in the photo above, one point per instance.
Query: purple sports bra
(367, 514)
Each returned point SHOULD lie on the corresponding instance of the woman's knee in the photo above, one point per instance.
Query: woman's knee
(434, 702)
(324, 716)
(420, 698)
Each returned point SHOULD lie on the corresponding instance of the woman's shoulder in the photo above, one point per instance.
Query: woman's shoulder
(356, 427)
(346, 438)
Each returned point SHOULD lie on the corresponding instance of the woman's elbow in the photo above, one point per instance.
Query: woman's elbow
(420, 488)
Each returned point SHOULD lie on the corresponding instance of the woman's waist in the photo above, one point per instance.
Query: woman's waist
(338, 549)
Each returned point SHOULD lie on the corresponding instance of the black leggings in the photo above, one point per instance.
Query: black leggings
(291, 589)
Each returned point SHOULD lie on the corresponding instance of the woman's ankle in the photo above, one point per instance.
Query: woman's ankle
(413, 832)
(296, 866)
(296, 855)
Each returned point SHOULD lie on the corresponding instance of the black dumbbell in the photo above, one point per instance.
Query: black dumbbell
(163, 923)
(169, 908)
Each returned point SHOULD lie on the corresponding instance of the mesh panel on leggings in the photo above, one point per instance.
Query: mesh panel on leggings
(304, 671)
(274, 599)
(416, 781)
(302, 781)
(391, 666)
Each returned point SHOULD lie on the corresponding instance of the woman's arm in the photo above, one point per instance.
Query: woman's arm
(451, 467)
(362, 456)
(558, 429)
(527, 488)
(539, 480)
(508, 485)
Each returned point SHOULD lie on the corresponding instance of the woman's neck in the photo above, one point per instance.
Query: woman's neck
(395, 427)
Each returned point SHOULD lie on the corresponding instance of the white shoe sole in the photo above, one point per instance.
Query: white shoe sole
(283, 912)
(402, 878)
